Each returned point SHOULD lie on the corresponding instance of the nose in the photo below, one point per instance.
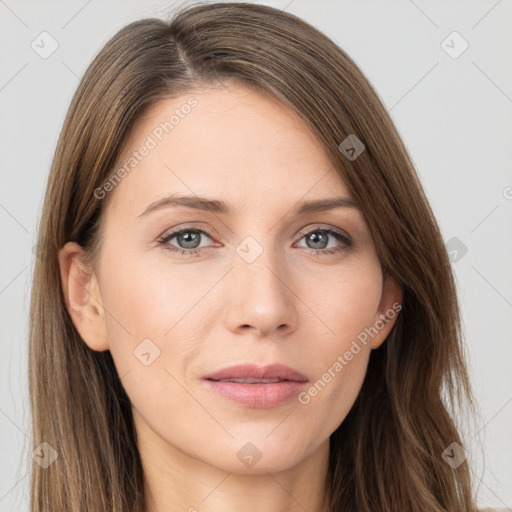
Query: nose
(262, 298)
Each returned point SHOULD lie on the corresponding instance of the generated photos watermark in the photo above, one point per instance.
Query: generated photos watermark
(152, 140)
(342, 360)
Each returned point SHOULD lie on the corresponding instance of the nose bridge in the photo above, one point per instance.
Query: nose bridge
(263, 297)
(258, 266)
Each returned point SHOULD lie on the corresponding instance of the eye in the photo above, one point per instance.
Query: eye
(188, 240)
(318, 240)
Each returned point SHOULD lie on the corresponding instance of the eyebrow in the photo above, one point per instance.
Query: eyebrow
(221, 207)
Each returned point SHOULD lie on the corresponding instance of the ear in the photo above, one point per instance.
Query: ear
(83, 297)
(387, 312)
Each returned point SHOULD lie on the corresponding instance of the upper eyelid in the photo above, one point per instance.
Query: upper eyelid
(320, 227)
(173, 233)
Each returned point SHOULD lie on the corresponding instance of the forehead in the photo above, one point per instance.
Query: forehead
(235, 143)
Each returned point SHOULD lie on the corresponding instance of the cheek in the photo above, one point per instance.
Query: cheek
(341, 365)
(156, 314)
(148, 299)
(348, 308)
(345, 301)
(154, 330)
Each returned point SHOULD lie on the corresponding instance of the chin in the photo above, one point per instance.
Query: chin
(257, 455)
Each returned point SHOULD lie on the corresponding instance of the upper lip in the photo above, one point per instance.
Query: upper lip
(272, 371)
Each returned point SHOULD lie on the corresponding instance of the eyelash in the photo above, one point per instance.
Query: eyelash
(339, 235)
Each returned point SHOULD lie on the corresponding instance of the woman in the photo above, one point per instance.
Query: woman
(244, 292)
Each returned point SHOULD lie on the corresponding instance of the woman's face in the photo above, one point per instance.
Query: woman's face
(210, 259)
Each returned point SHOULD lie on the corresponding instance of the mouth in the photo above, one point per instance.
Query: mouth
(257, 387)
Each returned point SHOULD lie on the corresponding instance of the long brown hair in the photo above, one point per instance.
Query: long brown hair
(387, 453)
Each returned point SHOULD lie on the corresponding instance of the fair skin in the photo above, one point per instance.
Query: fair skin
(290, 305)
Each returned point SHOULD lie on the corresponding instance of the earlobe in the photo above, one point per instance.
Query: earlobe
(82, 296)
(388, 311)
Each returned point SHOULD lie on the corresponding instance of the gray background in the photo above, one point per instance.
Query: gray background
(454, 115)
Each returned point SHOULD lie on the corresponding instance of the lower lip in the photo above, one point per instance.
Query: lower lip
(257, 396)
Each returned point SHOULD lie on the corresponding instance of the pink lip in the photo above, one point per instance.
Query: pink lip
(258, 395)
